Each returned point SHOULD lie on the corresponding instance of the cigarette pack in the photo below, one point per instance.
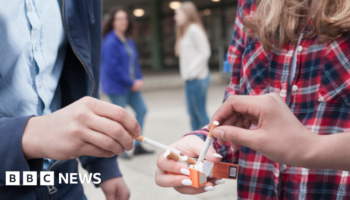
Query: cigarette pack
(200, 173)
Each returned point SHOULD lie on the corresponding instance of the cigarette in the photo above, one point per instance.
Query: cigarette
(171, 155)
(155, 144)
(189, 160)
(207, 142)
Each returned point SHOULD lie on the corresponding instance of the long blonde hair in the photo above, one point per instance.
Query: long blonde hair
(193, 17)
(282, 20)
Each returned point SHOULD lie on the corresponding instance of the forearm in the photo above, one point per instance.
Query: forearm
(329, 152)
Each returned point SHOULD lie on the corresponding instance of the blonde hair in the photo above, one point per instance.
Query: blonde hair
(193, 17)
(283, 19)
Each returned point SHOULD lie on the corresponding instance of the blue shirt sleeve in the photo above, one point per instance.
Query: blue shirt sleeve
(11, 152)
(108, 167)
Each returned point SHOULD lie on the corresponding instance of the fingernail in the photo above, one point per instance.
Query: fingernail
(217, 155)
(138, 130)
(120, 153)
(222, 134)
(209, 188)
(218, 133)
(185, 171)
(218, 182)
(186, 182)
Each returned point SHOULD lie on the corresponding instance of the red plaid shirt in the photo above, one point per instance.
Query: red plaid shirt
(320, 99)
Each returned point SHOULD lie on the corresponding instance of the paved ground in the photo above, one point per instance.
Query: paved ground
(166, 121)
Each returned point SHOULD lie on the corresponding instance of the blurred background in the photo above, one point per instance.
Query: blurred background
(167, 119)
(155, 29)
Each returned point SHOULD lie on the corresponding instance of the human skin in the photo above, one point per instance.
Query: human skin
(180, 17)
(279, 135)
(120, 24)
(137, 85)
(87, 127)
(115, 188)
(190, 146)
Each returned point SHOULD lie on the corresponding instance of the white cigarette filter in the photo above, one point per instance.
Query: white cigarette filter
(207, 142)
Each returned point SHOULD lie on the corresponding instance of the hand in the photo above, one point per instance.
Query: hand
(237, 120)
(190, 146)
(87, 127)
(279, 136)
(137, 85)
(115, 188)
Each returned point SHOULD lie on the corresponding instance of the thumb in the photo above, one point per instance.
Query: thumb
(235, 135)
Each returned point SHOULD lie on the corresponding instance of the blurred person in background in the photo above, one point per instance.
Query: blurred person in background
(193, 48)
(121, 76)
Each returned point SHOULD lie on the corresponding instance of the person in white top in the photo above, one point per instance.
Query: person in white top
(193, 48)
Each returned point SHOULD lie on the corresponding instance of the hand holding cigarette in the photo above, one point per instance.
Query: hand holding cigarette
(230, 117)
(207, 142)
(86, 127)
(190, 146)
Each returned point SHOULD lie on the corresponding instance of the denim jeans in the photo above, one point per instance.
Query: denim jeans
(135, 100)
(196, 95)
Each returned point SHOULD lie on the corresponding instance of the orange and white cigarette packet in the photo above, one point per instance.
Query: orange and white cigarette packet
(200, 173)
(198, 178)
(220, 170)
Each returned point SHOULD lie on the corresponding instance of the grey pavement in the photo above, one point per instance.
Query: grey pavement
(166, 121)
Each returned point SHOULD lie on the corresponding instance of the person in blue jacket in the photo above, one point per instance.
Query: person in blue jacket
(50, 61)
(121, 76)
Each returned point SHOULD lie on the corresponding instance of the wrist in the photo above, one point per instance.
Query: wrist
(314, 148)
(30, 144)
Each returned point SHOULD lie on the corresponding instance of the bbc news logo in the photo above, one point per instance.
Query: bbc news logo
(48, 178)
